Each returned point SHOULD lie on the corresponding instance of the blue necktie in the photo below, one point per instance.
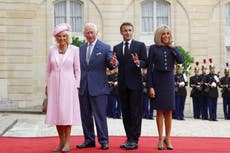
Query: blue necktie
(126, 48)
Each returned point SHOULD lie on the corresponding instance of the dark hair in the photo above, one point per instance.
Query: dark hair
(126, 24)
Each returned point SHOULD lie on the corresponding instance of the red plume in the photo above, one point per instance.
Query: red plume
(210, 60)
(197, 63)
(227, 64)
(204, 61)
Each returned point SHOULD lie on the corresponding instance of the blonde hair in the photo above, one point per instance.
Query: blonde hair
(69, 36)
(158, 33)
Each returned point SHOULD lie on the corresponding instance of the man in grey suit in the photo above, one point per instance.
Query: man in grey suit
(132, 56)
(95, 57)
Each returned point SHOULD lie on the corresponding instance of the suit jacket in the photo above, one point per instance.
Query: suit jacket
(162, 58)
(129, 73)
(93, 75)
(213, 91)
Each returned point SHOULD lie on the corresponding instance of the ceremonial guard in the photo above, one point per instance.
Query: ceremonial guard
(180, 93)
(211, 81)
(203, 96)
(148, 109)
(225, 85)
(114, 104)
(195, 84)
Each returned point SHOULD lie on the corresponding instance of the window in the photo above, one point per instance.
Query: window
(228, 17)
(228, 54)
(69, 11)
(154, 14)
(227, 37)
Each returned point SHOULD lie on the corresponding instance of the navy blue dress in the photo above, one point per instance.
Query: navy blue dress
(161, 62)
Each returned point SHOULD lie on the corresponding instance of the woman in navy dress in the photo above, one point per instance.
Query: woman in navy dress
(161, 60)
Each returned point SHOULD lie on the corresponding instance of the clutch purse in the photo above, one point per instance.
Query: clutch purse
(44, 105)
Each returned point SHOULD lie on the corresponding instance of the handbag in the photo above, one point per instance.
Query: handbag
(44, 105)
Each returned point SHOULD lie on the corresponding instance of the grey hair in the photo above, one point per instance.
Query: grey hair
(158, 33)
(92, 25)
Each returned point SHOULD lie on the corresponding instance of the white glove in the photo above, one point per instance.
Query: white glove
(216, 78)
(213, 84)
(185, 78)
(181, 84)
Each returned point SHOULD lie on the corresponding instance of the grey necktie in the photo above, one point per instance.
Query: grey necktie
(88, 53)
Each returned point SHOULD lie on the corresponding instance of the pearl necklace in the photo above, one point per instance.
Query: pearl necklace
(62, 51)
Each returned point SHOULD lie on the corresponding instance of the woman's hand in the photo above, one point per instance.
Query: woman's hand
(152, 93)
(171, 44)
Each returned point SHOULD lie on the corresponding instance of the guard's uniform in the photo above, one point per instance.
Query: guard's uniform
(211, 81)
(225, 85)
(180, 95)
(196, 95)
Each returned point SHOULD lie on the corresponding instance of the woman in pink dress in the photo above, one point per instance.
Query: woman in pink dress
(62, 84)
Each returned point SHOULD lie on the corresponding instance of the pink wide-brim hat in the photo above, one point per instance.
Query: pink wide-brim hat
(61, 27)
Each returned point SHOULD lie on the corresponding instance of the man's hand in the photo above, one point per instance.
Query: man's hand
(113, 61)
(152, 93)
(135, 59)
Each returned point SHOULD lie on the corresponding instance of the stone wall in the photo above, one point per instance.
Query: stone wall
(26, 34)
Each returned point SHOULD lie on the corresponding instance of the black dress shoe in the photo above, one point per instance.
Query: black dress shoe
(123, 146)
(86, 145)
(104, 146)
(131, 146)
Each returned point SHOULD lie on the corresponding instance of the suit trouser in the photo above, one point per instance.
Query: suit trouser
(111, 105)
(148, 110)
(212, 107)
(204, 107)
(118, 108)
(226, 107)
(196, 107)
(180, 103)
(94, 107)
(132, 110)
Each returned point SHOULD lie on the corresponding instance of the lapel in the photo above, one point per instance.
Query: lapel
(60, 63)
(94, 51)
(56, 54)
(120, 50)
(132, 46)
(67, 53)
(83, 53)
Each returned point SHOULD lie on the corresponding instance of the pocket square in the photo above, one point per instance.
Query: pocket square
(99, 53)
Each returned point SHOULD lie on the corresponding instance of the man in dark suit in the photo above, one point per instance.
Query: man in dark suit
(95, 56)
(132, 56)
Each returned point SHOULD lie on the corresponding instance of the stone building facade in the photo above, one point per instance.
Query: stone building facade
(200, 26)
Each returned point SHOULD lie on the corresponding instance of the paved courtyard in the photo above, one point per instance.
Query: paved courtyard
(32, 125)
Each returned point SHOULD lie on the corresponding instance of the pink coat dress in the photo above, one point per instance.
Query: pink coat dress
(62, 80)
